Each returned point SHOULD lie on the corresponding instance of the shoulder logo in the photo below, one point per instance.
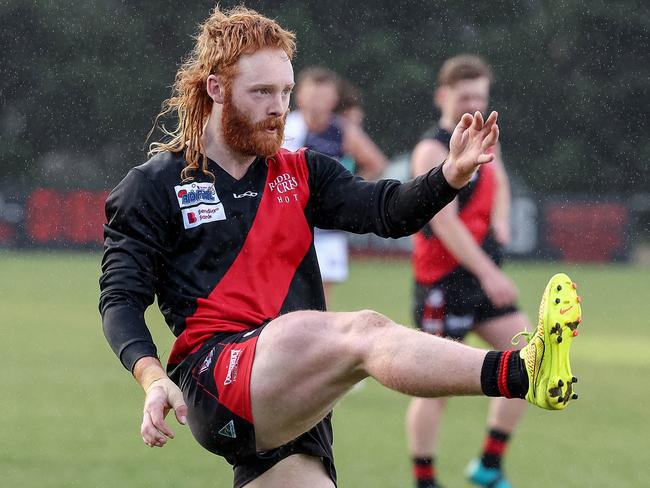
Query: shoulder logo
(228, 430)
(195, 193)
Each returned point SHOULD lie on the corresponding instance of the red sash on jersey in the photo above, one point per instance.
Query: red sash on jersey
(431, 260)
(254, 288)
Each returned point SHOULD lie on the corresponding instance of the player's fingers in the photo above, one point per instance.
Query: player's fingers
(465, 121)
(492, 137)
(178, 404)
(150, 434)
(485, 158)
(491, 120)
(157, 414)
(181, 414)
(477, 124)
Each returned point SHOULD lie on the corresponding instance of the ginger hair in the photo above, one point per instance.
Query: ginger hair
(222, 40)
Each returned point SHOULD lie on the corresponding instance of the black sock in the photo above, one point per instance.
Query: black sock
(494, 448)
(424, 472)
(504, 374)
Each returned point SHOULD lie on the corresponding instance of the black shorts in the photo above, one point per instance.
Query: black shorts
(215, 382)
(454, 305)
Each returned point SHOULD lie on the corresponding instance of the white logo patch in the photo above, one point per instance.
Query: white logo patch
(202, 214)
(195, 193)
(233, 366)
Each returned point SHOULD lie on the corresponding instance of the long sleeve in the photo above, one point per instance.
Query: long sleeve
(135, 237)
(387, 208)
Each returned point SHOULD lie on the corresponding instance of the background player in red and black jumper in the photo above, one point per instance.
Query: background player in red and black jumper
(218, 226)
(458, 284)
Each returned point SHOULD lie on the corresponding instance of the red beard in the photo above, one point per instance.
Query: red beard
(250, 138)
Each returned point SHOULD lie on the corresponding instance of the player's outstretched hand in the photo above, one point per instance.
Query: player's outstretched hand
(162, 396)
(468, 147)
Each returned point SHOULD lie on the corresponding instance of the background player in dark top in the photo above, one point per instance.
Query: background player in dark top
(218, 225)
(316, 125)
(459, 286)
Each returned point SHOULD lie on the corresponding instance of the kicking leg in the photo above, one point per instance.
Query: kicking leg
(305, 362)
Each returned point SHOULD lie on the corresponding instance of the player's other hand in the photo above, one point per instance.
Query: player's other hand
(500, 289)
(162, 395)
(468, 147)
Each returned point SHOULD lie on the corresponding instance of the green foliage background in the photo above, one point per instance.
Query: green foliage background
(81, 81)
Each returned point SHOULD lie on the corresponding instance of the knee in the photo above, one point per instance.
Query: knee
(370, 321)
(362, 327)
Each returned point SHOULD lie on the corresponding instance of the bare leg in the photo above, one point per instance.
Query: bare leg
(422, 425)
(296, 471)
(306, 361)
(504, 414)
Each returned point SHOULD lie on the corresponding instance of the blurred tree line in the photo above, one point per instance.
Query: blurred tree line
(81, 81)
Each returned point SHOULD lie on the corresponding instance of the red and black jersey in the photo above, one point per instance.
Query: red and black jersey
(228, 255)
(431, 259)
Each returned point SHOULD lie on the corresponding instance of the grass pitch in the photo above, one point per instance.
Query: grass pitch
(71, 414)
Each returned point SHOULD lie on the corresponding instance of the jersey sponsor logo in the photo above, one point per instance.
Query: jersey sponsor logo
(202, 214)
(206, 362)
(195, 193)
(250, 194)
(228, 430)
(233, 366)
(283, 183)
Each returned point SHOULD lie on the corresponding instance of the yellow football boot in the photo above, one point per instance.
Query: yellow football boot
(550, 381)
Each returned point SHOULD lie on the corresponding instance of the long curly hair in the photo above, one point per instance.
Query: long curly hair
(222, 39)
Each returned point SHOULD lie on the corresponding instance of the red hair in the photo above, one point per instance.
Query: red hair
(222, 40)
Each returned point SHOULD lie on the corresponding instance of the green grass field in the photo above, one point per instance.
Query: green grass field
(70, 414)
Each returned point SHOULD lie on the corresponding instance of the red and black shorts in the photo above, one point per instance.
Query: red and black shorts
(215, 382)
(454, 305)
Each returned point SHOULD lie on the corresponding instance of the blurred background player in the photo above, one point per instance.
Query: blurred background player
(328, 120)
(459, 285)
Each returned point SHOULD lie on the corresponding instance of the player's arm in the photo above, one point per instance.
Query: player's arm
(457, 239)
(135, 236)
(388, 208)
(366, 154)
(502, 199)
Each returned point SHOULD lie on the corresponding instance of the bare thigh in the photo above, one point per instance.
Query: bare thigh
(295, 471)
(304, 363)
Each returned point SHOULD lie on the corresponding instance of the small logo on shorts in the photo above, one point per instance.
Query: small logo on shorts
(206, 362)
(228, 430)
(233, 365)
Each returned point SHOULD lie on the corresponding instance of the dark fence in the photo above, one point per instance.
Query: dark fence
(578, 230)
